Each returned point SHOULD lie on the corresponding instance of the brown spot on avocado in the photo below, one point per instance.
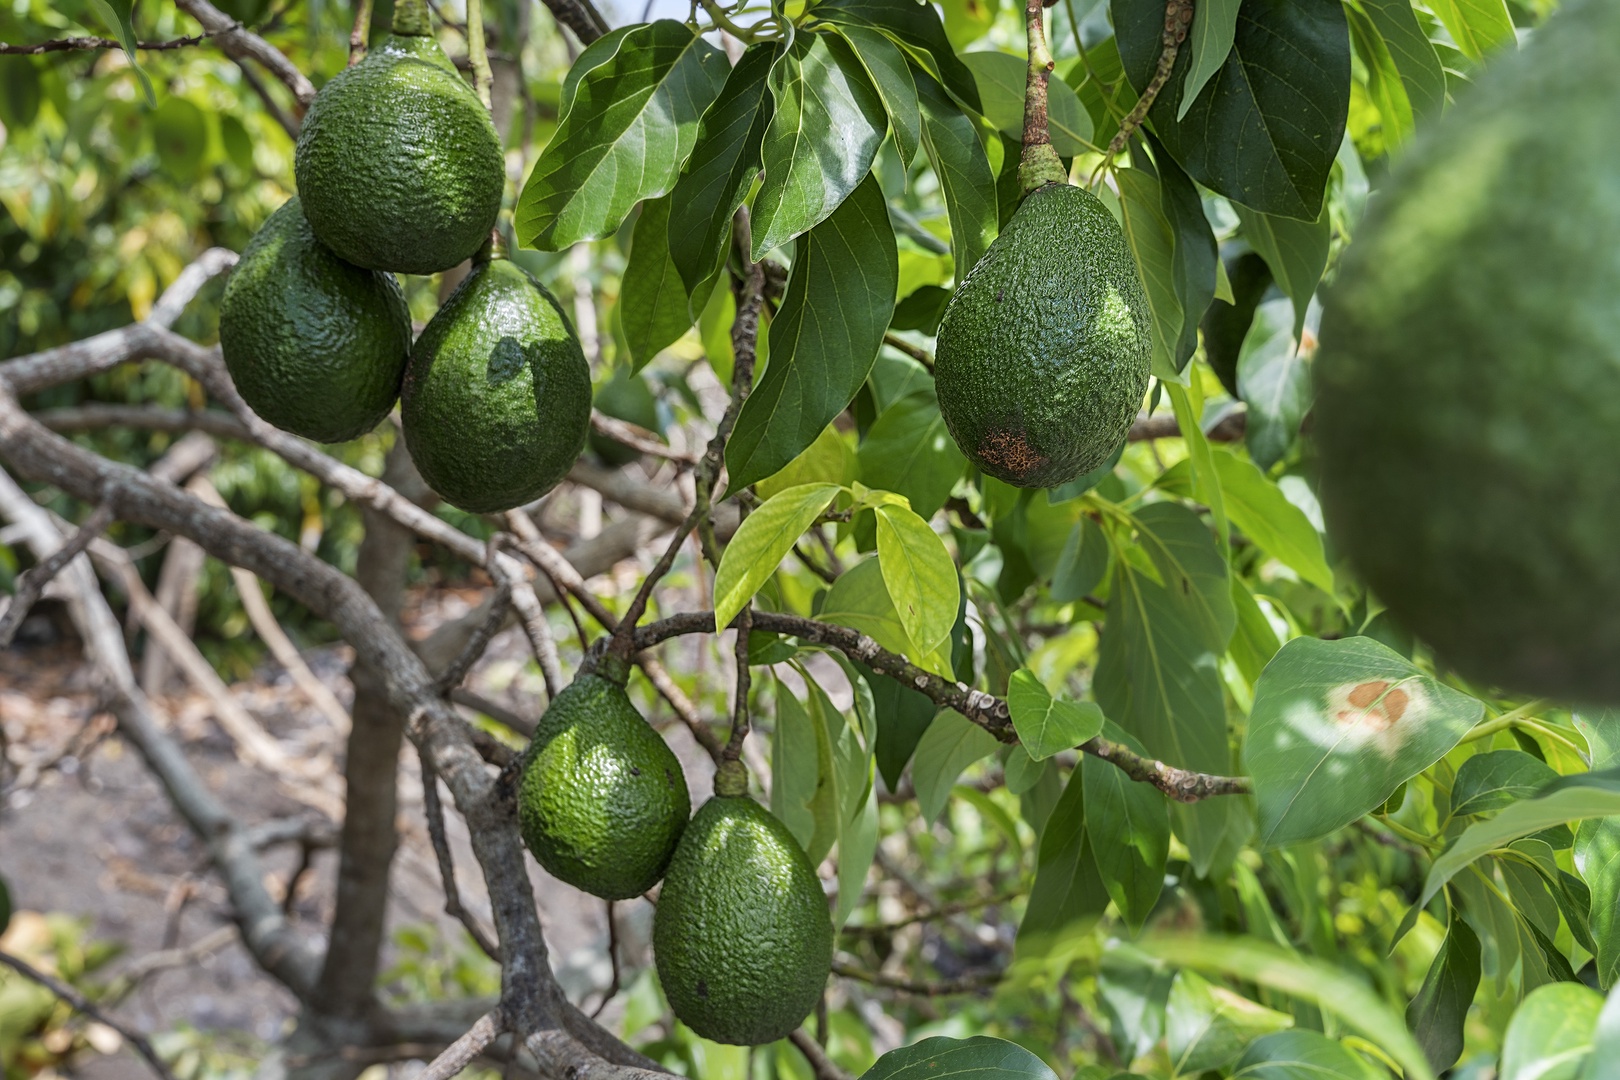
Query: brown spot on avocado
(1010, 450)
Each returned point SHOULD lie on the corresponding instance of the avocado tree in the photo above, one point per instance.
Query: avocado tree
(983, 424)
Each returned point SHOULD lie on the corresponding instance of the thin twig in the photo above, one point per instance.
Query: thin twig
(638, 439)
(361, 32)
(84, 1005)
(820, 1063)
(433, 810)
(970, 984)
(916, 352)
(495, 711)
(31, 585)
(1178, 17)
(453, 675)
(531, 616)
(478, 53)
(77, 43)
(465, 1050)
(612, 990)
(739, 709)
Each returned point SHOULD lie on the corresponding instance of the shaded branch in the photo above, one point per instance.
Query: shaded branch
(84, 1005)
(433, 810)
(970, 984)
(820, 1063)
(73, 44)
(465, 1050)
(31, 584)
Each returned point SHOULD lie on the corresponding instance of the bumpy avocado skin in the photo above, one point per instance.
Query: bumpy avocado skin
(624, 397)
(603, 800)
(1043, 354)
(497, 396)
(1468, 382)
(398, 164)
(316, 346)
(742, 937)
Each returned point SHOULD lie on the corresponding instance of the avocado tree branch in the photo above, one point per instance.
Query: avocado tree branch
(73, 44)
(433, 810)
(1178, 17)
(820, 1064)
(580, 16)
(361, 32)
(465, 1050)
(1039, 164)
(240, 44)
(478, 54)
(82, 1004)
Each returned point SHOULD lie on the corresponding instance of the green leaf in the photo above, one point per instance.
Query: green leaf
(804, 787)
(1293, 1055)
(1550, 1035)
(631, 123)
(1477, 26)
(762, 542)
(849, 265)
(908, 450)
(1384, 84)
(1213, 30)
(1438, 1012)
(1490, 781)
(1068, 896)
(1000, 78)
(724, 161)
(1606, 1038)
(1273, 378)
(1328, 987)
(1206, 481)
(903, 714)
(180, 136)
(978, 1058)
(859, 599)
(1128, 824)
(1266, 128)
(1047, 725)
(819, 146)
(1153, 246)
(827, 460)
(951, 743)
(919, 574)
(1339, 725)
(1597, 852)
(119, 16)
(1191, 567)
(917, 29)
(856, 849)
(653, 305)
(1587, 795)
(1254, 642)
(1421, 72)
(1082, 563)
(890, 74)
(1207, 1026)
(1296, 251)
(965, 182)
(1195, 253)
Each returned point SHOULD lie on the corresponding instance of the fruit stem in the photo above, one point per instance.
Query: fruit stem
(731, 779)
(411, 18)
(478, 54)
(1040, 164)
(1178, 17)
(739, 709)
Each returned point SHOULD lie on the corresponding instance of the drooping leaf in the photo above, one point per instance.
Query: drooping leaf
(1213, 30)
(891, 77)
(917, 29)
(903, 714)
(1437, 1014)
(1194, 256)
(762, 542)
(1296, 251)
(119, 17)
(804, 789)
(1265, 129)
(1206, 480)
(856, 849)
(1336, 727)
(1128, 824)
(1597, 852)
(725, 159)
(1254, 642)
(1153, 246)
(1419, 65)
(848, 265)
(1477, 26)
(1068, 895)
(828, 460)
(180, 136)
(1191, 567)
(1045, 724)
(1273, 379)
(978, 1058)
(1082, 564)
(631, 123)
(908, 450)
(1000, 77)
(653, 303)
(920, 575)
(819, 146)
(951, 743)
(1384, 84)
(965, 181)
(1207, 1026)
(1550, 1035)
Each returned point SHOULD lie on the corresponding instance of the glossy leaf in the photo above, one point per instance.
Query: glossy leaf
(1153, 246)
(1209, 44)
(1045, 724)
(917, 29)
(951, 743)
(1550, 1035)
(1409, 47)
(632, 121)
(653, 304)
(1128, 824)
(848, 266)
(821, 140)
(1477, 26)
(860, 600)
(919, 573)
(908, 450)
(978, 1058)
(891, 76)
(762, 542)
(1000, 77)
(1207, 1026)
(1438, 1012)
(1290, 1055)
(965, 181)
(1274, 381)
(1265, 129)
(1338, 725)
(1488, 782)
(724, 162)
(1191, 567)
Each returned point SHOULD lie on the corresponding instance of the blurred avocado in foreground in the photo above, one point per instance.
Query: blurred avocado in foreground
(1468, 382)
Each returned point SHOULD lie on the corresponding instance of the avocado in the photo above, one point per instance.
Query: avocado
(1468, 378)
(603, 799)
(497, 396)
(398, 163)
(316, 346)
(741, 937)
(624, 397)
(1043, 354)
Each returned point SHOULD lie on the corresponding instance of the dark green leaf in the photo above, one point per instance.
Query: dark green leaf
(1265, 131)
(1128, 825)
(903, 714)
(1194, 254)
(978, 1058)
(1487, 782)
(819, 146)
(1082, 563)
(1153, 246)
(958, 159)
(1436, 1015)
(1000, 77)
(951, 743)
(632, 121)
(724, 161)
(921, 309)
(19, 92)
(891, 75)
(916, 27)
(907, 450)
(1191, 567)
(846, 265)
(653, 307)
(1336, 727)
(1068, 895)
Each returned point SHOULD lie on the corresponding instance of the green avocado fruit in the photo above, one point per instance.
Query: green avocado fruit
(603, 800)
(398, 163)
(1468, 380)
(1043, 354)
(741, 937)
(497, 396)
(315, 345)
(624, 397)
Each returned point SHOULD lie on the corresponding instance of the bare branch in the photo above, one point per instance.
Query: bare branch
(434, 811)
(581, 17)
(820, 1063)
(456, 673)
(82, 43)
(970, 984)
(240, 44)
(465, 1050)
(361, 31)
(84, 1005)
(496, 712)
(31, 585)
(530, 615)
(636, 438)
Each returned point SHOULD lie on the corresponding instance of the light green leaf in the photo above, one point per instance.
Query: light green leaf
(1207, 1026)
(860, 600)
(1477, 26)
(856, 849)
(1000, 77)
(919, 574)
(951, 743)
(762, 542)
(821, 140)
(803, 792)
(890, 74)
(1206, 480)
(1214, 26)
(827, 460)
(1274, 381)
(908, 450)
(1296, 251)
(978, 1058)
(1045, 724)
(1294, 1055)
(1550, 1035)
(1605, 1039)
(1153, 246)
(1421, 72)
(1128, 824)
(1384, 83)
(629, 127)
(965, 182)
(847, 265)
(1336, 727)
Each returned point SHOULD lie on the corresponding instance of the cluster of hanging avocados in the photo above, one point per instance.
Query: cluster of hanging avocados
(741, 936)
(400, 170)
